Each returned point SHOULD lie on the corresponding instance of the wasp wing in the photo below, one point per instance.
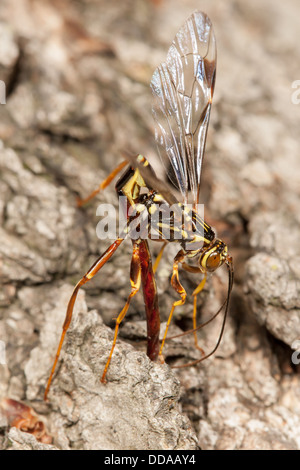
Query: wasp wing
(182, 89)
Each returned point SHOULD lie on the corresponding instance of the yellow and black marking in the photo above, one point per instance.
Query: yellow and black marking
(183, 224)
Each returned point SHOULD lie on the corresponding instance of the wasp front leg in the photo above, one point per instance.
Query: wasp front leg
(135, 280)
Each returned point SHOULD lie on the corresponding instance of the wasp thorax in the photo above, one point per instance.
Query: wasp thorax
(214, 256)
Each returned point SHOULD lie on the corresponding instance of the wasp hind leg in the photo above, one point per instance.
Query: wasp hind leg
(87, 277)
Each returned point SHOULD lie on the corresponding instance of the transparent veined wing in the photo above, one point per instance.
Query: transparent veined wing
(182, 89)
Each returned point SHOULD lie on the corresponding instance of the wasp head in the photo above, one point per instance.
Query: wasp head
(213, 256)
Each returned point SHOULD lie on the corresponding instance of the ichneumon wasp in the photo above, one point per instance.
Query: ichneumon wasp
(182, 89)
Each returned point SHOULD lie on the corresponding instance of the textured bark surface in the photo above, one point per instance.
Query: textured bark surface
(77, 83)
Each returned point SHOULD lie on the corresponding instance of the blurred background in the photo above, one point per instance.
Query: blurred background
(77, 80)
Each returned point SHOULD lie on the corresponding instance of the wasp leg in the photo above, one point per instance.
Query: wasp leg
(104, 184)
(225, 305)
(135, 280)
(181, 291)
(194, 269)
(195, 293)
(87, 277)
(159, 256)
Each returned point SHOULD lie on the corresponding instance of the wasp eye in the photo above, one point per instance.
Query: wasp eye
(213, 261)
